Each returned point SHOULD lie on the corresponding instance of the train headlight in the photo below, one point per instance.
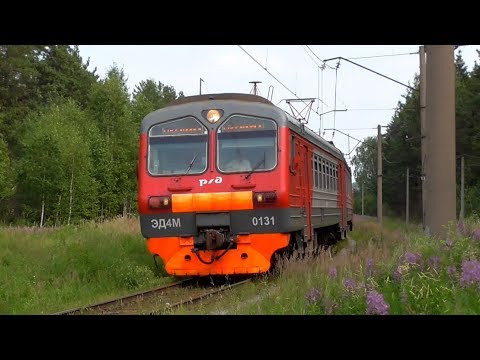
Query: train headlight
(265, 197)
(159, 202)
(214, 115)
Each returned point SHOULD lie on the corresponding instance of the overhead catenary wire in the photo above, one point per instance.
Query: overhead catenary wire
(323, 61)
(281, 83)
(310, 56)
(336, 80)
(379, 56)
(375, 72)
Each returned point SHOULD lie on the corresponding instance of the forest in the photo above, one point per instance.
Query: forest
(69, 140)
(401, 149)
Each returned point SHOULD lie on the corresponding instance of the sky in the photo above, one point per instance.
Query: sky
(285, 72)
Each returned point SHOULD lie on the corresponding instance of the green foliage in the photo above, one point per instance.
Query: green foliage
(62, 74)
(32, 76)
(149, 96)
(67, 132)
(401, 147)
(109, 105)
(56, 168)
(369, 203)
(67, 267)
(6, 174)
(365, 162)
(394, 271)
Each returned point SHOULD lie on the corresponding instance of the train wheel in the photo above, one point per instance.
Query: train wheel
(331, 239)
(317, 243)
(278, 261)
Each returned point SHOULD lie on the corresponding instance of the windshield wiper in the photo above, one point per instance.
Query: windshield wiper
(191, 164)
(257, 165)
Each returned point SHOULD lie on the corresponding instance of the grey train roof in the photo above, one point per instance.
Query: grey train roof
(229, 103)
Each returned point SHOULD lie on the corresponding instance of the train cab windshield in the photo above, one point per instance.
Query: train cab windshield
(177, 147)
(246, 143)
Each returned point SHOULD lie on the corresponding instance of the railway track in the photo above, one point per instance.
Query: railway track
(156, 301)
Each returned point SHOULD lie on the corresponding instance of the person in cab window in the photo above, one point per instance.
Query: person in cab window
(240, 163)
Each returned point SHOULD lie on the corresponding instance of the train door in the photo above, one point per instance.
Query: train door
(297, 181)
(294, 173)
(306, 192)
(342, 200)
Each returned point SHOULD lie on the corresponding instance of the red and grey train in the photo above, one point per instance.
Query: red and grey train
(227, 181)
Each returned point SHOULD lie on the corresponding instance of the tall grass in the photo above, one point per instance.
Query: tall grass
(53, 269)
(395, 271)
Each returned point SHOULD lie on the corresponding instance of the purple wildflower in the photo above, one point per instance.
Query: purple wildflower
(470, 272)
(463, 229)
(376, 304)
(350, 285)
(370, 267)
(434, 262)
(313, 295)
(412, 258)
(449, 242)
(332, 272)
(476, 234)
(397, 274)
(452, 272)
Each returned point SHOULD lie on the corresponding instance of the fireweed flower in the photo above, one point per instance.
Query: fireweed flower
(397, 274)
(452, 272)
(350, 285)
(370, 267)
(476, 234)
(470, 272)
(332, 272)
(376, 304)
(449, 242)
(463, 229)
(434, 262)
(412, 258)
(313, 295)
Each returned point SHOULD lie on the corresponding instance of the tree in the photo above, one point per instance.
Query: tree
(149, 96)
(109, 105)
(62, 74)
(55, 181)
(365, 162)
(19, 91)
(6, 173)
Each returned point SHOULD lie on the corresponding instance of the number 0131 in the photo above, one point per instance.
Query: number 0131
(263, 220)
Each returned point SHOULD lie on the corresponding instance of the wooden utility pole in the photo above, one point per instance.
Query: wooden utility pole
(440, 126)
(462, 189)
(423, 128)
(407, 207)
(379, 176)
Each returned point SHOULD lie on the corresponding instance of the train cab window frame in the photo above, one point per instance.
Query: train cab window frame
(246, 143)
(178, 147)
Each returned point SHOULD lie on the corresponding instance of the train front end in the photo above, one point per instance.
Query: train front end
(212, 186)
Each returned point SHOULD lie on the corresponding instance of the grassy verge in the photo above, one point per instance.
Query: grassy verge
(52, 269)
(394, 271)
